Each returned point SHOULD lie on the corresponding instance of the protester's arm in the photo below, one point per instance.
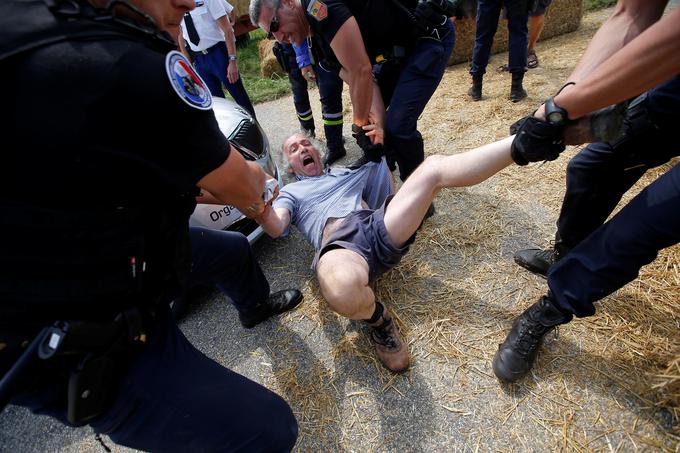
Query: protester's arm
(348, 46)
(237, 182)
(230, 40)
(274, 221)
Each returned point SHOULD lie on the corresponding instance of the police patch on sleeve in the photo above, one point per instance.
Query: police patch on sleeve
(186, 82)
(318, 10)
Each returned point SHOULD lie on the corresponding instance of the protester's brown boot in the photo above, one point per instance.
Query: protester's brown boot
(389, 346)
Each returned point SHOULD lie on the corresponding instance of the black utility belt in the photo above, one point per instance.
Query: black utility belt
(394, 54)
(96, 355)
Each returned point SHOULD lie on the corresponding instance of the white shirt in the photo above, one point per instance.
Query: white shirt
(205, 17)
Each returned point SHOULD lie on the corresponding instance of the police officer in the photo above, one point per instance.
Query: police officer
(409, 43)
(96, 190)
(209, 35)
(488, 13)
(595, 257)
(301, 69)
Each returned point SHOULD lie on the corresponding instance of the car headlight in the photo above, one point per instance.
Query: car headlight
(249, 140)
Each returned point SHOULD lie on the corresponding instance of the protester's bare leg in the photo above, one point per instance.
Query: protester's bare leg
(406, 210)
(343, 278)
(536, 24)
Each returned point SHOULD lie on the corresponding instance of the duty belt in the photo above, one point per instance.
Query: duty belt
(101, 347)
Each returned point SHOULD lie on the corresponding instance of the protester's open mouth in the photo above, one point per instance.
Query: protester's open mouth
(307, 160)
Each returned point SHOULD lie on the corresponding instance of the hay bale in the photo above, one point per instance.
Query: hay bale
(240, 7)
(269, 67)
(563, 16)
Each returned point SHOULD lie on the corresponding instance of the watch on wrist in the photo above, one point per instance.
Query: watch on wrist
(554, 114)
(233, 58)
(357, 129)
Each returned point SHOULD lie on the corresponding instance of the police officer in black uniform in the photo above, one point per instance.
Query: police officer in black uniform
(96, 191)
(594, 256)
(404, 45)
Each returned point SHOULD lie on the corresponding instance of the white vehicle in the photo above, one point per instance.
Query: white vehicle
(246, 135)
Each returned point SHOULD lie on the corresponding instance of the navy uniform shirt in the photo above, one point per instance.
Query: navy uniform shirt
(381, 23)
(89, 127)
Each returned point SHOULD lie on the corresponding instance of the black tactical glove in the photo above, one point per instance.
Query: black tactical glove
(372, 152)
(536, 140)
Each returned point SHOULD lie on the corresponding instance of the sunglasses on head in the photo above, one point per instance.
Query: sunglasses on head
(273, 27)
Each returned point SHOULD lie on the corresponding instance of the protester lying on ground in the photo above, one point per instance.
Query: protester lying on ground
(361, 229)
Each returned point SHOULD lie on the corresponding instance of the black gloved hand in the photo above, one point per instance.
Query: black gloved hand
(372, 152)
(536, 140)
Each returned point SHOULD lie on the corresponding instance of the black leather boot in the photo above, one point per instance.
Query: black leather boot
(333, 153)
(538, 260)
(275, 304)
(517, 91)
(516, 355)
(475, 91)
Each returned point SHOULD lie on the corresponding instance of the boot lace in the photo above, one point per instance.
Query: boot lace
(548, 255)
(530, 336)
(384, 334)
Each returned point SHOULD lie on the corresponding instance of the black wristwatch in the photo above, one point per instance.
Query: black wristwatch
(554, 114)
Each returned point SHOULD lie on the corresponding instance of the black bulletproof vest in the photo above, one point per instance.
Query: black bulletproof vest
(81, 262)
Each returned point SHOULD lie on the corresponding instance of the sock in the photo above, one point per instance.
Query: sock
(377, 313)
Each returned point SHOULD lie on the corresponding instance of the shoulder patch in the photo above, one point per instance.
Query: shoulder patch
(318, 10)
(186, 82)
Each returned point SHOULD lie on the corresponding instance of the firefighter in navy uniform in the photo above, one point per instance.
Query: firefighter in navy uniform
(96, 193)
(404, 45)
(301, 67)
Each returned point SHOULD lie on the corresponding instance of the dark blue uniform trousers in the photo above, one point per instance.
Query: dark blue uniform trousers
(330, 95)
(488, 13)
(212, 67)
(225, 259)
(607, 255)
(175, 399)
(406, 89)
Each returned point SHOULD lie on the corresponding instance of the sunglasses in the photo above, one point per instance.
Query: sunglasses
(273, 27)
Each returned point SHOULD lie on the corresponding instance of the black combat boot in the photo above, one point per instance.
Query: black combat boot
(475, 91)
(539, 261)
(275, 304)
(307, 127)
(517, 92)
(333, 153)
(517, 353)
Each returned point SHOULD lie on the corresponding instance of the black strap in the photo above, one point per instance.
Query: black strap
(191, 29)
(30, 24)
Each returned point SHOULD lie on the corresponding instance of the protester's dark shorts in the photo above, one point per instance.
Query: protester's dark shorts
(364, 232)
(541, 6)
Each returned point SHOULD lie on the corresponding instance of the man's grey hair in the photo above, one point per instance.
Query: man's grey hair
(256, 8)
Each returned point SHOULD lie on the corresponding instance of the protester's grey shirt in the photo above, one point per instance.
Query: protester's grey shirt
(312, 200)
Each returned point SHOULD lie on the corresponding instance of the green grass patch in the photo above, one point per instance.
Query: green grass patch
(590, 5)
(259, 89)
